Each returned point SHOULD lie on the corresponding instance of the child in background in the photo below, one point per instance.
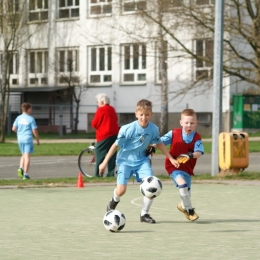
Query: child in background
(25, 127)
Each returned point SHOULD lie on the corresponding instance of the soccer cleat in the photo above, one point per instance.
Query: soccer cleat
(191, 215)
(26, 177)
(20, 172)
(147, 219)
(112, 204)
(179, 207)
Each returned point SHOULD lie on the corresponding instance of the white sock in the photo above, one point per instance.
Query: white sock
(115, 197)
(146, 205)
(185, 198)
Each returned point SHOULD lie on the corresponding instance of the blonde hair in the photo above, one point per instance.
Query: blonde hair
(188, 112)
(144, 104)
(26, 106)
(102, 97)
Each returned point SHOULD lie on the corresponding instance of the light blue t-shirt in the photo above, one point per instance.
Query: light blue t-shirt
(198, 146)
(25, 124)
(133, 141)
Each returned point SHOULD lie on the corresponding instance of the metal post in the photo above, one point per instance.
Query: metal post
(217, 84)
(9, 122)
(61, 122)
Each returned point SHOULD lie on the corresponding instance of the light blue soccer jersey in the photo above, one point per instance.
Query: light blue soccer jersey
(25, 124)
(198, 147)
(133, 141)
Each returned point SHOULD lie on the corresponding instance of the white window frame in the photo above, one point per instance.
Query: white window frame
(73, 74)
(203, 67)
(100, 8)
(205, 2)
(38, 71)
(128, 64)
(14, 76)
(100, 69)
(134, 6)
(69, 6)
(35, 10)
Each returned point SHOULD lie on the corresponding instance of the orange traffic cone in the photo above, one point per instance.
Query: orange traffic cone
(80, 183)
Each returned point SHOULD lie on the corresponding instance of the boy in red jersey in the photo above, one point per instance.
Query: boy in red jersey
(187, 142)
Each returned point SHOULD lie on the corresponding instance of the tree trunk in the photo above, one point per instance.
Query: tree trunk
(4, 99)
(162, 51)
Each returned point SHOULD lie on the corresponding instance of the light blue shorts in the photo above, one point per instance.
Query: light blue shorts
(125, 172)
(26, 147)
(177, 174)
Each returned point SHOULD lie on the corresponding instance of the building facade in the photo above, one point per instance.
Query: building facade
(111, 47)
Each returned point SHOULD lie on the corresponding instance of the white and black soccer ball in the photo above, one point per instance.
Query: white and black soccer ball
(151, 187)
(114, 220)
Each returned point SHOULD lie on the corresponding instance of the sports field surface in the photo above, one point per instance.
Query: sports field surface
(66, 224)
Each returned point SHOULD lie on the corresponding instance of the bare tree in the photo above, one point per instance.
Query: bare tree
(188, 28)
(74, 83)
(14, 33)
(241, 38)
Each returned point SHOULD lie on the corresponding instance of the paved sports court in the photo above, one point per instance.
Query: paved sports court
(66, 224)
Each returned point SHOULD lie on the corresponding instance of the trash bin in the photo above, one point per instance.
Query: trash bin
(233, 151)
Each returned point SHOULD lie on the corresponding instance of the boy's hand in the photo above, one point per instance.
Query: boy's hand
(174, 162)
(183, 158)
(102, 168)
(149, 150)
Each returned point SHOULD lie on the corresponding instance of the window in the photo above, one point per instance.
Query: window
(126, 118)
(204, 51)
(100, 64)
(205, 2)
(100, 7)
(169, 4)
(38, 67)
(12, 61)
(134, 63)
(38, 10)
(10, 9)
(13, 6)
(68, 65)
(68, 8)
(204, 118)
(133, 6)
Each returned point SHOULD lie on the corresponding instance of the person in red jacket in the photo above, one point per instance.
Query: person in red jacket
(106, 124)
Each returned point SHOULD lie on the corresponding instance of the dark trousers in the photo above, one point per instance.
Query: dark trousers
(101, 150)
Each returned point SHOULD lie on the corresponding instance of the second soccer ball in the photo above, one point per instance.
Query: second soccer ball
(151, 187)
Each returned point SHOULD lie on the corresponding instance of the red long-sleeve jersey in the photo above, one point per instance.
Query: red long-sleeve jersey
(105, 122)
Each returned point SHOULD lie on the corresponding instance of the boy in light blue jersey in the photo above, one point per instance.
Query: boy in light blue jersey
(25, 127)
(133, 156)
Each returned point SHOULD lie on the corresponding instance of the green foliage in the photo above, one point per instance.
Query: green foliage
(53, 136)
(11, 149)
